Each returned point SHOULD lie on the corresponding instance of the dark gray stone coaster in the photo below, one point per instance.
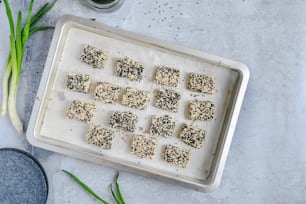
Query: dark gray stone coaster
(22, 178)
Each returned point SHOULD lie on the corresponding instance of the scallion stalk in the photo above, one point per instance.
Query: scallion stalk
(18, 40)
(118, 198)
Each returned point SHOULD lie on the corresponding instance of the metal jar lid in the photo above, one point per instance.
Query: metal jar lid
(106, 6)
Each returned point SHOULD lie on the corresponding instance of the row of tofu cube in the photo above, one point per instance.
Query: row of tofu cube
(143, 146)
(133, 70)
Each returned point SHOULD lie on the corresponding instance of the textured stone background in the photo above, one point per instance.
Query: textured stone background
(267, 160)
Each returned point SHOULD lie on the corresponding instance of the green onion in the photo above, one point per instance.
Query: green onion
(45, 9)
(14, 69)
(118, 190)
(114, 195)
(87, 188)
(40, 28)
(18, 42)
(118, 199)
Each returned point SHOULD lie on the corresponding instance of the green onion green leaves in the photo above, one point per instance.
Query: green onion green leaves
(87, 188)
(117, 196)
(122, 201)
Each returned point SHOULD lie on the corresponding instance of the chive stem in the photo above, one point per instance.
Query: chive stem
(83, 185)
(118, 190)
(40, 28)
(114, 195)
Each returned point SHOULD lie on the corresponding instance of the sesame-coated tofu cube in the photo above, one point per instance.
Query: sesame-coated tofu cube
(167, 76)
(162, 126)
(177, 156)
(192, 136)
(135, 98)
(144, 146)
(201, 83)
(201, 110)
(94, 57)
(78, 82)
(81, 111)
(167, 99)
(107, 92)
(123, 120)
(129, 68)
(99, 136)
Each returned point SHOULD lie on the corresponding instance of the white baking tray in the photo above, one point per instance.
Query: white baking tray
(50, 129)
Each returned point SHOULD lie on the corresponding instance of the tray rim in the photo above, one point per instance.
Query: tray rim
(220, 160)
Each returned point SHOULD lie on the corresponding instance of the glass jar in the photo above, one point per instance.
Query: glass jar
(104, 5)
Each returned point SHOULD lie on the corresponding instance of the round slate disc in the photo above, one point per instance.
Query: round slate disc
(22, 178)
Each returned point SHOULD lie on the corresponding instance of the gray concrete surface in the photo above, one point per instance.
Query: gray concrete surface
(267, 160)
